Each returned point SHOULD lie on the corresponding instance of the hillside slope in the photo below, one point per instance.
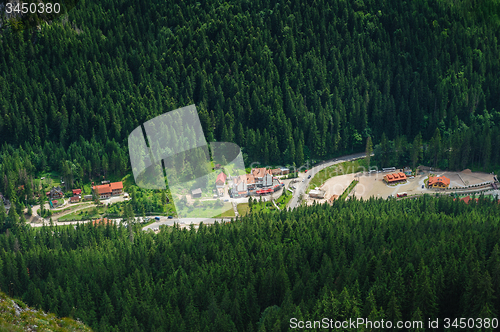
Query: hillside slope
(379, 259)
(16, 316)
(285, 80)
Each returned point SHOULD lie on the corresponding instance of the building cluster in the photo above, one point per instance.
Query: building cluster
(77, 196)
(260, 181)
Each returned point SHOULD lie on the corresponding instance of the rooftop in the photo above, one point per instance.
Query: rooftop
(438, 179)
(400, 176)
(250, 178)
(108, 188)
(259, 172)
(221, 177)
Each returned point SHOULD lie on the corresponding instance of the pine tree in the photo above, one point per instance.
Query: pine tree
(300, 153)
(416, 152)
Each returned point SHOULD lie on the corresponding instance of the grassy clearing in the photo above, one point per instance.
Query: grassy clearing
(243, 209)
(348, 190)
(206, 212)
(50, 179)
(283, 200)
(347, 167)
(264, 206)
(226, 214)
(85, 214)
(128, 181)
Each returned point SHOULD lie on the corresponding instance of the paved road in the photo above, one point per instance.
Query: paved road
(302, 186)
(182, 222)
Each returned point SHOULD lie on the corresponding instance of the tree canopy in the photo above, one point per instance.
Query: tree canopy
(392, 260)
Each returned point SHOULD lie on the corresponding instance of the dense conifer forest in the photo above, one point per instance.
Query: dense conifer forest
(286, 80)
(391, 260)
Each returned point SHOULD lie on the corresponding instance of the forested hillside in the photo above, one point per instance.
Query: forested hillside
(286, 80)
(391, 260)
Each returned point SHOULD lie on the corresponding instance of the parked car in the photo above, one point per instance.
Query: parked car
(170, 217)
(157, 218)
(306, 171)
(309, 176)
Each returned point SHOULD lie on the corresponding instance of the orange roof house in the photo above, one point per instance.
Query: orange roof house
(395, 177)
(77, 192)
(109, 189)
(221, 180)
(438, 182)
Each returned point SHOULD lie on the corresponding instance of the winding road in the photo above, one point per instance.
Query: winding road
(302, 186)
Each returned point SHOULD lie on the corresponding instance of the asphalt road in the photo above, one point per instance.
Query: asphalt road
(183, 221)
(302, 186)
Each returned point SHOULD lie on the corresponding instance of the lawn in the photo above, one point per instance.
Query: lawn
(348, 190)
(226, 214)
(347, 167)
(243, 209)
(51, 179)
(84, 214)
(233, 170)
(206, 212)
(266, 207)
(283, 200)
